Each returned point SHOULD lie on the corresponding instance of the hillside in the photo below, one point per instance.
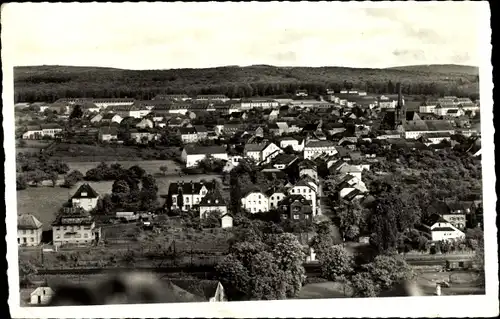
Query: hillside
(47, 83)
(439, 68)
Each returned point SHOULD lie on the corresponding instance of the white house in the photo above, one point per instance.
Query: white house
(213, 201)
(85, 197)
(313, 149)
(108, 117)
(75, 226)
(298, 146)
(39, 131)
(262, 152)
(188, 135)
(307, 190)
(192, 194)
(441, 229)
(191, 155)
(107, 134)
(275, 196)
(255, 202)
(29, 230)
(41, 296)
(33, 133)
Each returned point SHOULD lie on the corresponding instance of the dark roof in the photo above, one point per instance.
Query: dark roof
(290, 199)
(28, 221)
(187, 130)
(310, 127)
(213, 198)
(443, 229)
(189, 187)
(108, 130)
(73, 216)
(355, 192)
(192, 149)
(202, 288)
(274, 190)
(50, 126)
(307, 163)
(200, 128)
(253, 147)
(284, 158)
(108, 116)
(85, 191)
(432, 219)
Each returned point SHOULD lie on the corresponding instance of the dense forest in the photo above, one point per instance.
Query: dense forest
(49, 83)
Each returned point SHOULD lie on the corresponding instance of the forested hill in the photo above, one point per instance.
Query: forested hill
(48, 83)
(440, 68)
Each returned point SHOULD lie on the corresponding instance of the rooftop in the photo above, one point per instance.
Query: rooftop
(28, 221)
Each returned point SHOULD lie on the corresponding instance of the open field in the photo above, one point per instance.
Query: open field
(32, 146)
(96, 153)
(44, 202)
(324, 290)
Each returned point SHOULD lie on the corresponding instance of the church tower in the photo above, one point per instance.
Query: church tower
(400, 116)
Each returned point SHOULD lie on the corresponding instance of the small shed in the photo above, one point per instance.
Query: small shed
(226, 221)
(41, 296)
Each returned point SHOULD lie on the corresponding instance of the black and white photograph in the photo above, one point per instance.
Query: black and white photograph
(288, 157)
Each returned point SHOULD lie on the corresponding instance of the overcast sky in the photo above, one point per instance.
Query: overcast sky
(192, 35)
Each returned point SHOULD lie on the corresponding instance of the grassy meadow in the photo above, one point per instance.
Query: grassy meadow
(44, 201)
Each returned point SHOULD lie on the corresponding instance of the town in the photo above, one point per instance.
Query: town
(317, 190)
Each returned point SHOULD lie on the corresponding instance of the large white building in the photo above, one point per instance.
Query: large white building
(75, 226)
(275, 196)
(440, 229)
(313, 149)
(191, 155)
(255, 202)
(39, 131)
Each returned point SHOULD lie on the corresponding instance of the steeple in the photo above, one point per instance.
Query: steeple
(400, 107)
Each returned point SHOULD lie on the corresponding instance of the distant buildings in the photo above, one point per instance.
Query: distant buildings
(191, 155)
(313, 149)
(37, 132)
(29, 230)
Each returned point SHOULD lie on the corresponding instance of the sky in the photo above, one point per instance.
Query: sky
(196, 35)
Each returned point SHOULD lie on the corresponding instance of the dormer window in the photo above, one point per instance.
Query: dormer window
(208, 201)
(84, 194)
(216, 201)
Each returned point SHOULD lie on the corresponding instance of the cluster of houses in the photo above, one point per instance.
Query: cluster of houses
(145, 120)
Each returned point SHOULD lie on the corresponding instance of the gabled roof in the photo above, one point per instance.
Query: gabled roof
(189, 187)
(85, 191)
(352, 194)
(200, 128)
(274, 190)
(109, 116)
(290, 199)
(254, 147)
(311, 144)
(187, 130)
(213, 198)
(205, 289)
(28, 221)
(433, 219)
(192, 149)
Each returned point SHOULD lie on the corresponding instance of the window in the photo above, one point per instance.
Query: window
(259, 202)
(187, 199)
(32, 239)
(296, 216)
(32, 232)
